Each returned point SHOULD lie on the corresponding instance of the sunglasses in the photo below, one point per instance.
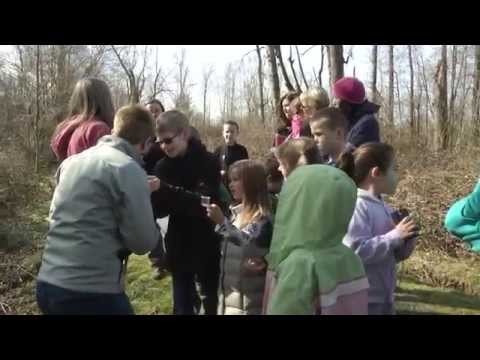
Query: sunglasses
(167, 141)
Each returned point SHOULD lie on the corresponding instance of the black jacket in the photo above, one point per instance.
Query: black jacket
(153, 154)
(232, 154)
(191, 241)
(363, 126)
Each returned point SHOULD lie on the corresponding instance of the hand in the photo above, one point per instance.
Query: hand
(215, 214)
(153, 183)
(407, 228)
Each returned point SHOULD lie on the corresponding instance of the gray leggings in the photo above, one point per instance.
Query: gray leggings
(381, 309)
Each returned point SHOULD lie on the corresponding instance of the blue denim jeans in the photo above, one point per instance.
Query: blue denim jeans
(55, 300)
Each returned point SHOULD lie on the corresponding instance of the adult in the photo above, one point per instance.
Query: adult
(100, 213)
(153, 152)
(360, 113)
(285, 128)
(188, 172)
(90, 117)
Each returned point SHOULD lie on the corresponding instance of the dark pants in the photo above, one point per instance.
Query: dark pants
(54, 300)
(186, 300)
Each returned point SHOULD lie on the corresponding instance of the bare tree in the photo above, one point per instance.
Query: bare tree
(442, 100)
(412, 103)
(286, 79)
(182, 97)
(260, 84)
(335, 62)
(476, 93)
(37, 111)
(390, 84)
(128, 59)
(207, 74)
(275, 82)
(374, 72)
(291, 61)
(301, 67)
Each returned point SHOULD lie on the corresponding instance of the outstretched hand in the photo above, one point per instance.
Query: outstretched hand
(215, 214)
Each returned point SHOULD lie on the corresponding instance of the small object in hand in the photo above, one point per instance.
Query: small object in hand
(399, 215)
(205, 201)
(255, 264)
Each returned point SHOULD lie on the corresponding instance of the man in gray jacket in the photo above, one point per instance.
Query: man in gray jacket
(100, 213)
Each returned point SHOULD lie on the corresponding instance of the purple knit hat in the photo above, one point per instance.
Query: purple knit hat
(350, 90)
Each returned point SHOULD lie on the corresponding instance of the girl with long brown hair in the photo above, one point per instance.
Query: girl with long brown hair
(247, 237)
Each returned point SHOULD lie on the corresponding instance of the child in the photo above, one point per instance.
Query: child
(463, 218)
(247, 237)
(274, 179)
(372, 233)
(328, 127)
(297, 118)
(296, 152)
(310, 271)
(285, 119)
(313, 100)
(230, 152)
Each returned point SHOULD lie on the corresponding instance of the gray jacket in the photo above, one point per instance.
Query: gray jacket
(241, 291)
(100, 212)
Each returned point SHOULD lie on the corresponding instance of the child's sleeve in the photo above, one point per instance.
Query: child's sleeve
(370, 247)
(259, 233)
(471, 208)
(406, 249)
(295, 292)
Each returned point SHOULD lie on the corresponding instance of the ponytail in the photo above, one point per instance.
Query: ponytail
(346, 162)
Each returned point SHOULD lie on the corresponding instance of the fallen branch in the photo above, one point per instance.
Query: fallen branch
(3, 305)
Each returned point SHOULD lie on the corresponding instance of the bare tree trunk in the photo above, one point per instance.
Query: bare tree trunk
(321, 67)
(291, 61)
(453, 95)
(336, 62)
(374, 72)
(301, 67)
(442, 100)
(476, 93)
(288, 83)
(390, 84)
(274, 77)
(260, 84)
(400, 113)
(37, 113)
(412, 103)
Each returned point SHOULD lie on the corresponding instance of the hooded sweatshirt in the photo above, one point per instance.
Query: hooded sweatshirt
(363, 126)
(373, 236)
(75, 137)
(463, 219)
(100, 212)
(310, 270)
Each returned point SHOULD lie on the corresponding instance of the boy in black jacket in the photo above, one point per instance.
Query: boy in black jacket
(187, 173)
(231, 151)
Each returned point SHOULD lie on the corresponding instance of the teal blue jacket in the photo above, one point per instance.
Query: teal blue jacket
(463, 219)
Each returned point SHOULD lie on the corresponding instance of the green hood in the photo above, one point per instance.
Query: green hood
(313, 214)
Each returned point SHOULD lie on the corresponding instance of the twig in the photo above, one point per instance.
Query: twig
(3, 305)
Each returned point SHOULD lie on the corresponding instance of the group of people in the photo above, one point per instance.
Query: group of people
(303, 231)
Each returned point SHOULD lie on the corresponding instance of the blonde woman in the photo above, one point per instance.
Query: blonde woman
(313, 100)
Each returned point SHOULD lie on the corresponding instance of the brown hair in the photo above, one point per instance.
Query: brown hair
(256, 201)
(156, 101)
(271, 167)
(300, 151)
(330, 117)
(289, 96)
(232, 123)
(91, 98)
(133, 123)
(172, 120)
(357, 164)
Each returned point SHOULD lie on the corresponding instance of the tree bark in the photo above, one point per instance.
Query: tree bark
(291, 61)
(476, 94)
(336, 62)
(321, 67)
(374, 72)
(301, 67)
(390, 84)
(442, 100)
(412, 103)
(275, 82)
(36, 123)
(278, 52)
(260, 84)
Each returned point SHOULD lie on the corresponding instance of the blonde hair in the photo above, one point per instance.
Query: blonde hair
(133, 123)
(256, 202)
(315, 97)
(296, 152)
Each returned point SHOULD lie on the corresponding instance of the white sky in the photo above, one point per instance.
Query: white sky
(219, 56)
